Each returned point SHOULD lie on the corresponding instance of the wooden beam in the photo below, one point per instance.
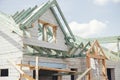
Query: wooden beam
(46, 68)
(101, 49)
(104, 69)
(95, 56)
(82, 75)
(27, 77)
(20, 74)
(91, 47)
(54, 33)
(16, 67)
(88, 66)
(20, 71)
(59, 77)
(46, 23)
(55, 69)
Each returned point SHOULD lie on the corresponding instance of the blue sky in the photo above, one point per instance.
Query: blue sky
(87, 18)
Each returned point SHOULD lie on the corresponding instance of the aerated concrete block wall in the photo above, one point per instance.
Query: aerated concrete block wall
(115, 66)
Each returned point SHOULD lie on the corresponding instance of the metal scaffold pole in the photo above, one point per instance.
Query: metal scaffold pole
(37, 70)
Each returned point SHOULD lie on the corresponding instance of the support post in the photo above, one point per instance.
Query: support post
(37, 70)
(59, 77)
(45, 36)
(20, 74)
(54, 34)
(88, 66)
(104, 69)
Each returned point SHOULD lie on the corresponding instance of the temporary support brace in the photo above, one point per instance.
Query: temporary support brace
(21, 72)
(83, 74)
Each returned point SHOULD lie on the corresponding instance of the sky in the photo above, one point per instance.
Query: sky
(87, 18)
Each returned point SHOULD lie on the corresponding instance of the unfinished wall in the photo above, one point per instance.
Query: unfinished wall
(33, 40)
(116, 66)
(10, 48)
(76, 63)
(70, 63)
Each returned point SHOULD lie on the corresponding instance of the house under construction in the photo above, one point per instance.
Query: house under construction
(37, 44)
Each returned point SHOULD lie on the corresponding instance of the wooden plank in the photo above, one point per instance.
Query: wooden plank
(16, 67)
(27, 77)
(20, 71)
(46, 68)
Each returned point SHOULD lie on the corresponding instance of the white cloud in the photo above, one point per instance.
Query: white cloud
(104, 2)
(87, 29)
(101, 2)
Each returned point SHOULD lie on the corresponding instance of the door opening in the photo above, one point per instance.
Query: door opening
(73, 77)
(110, 74)
(46, 75)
